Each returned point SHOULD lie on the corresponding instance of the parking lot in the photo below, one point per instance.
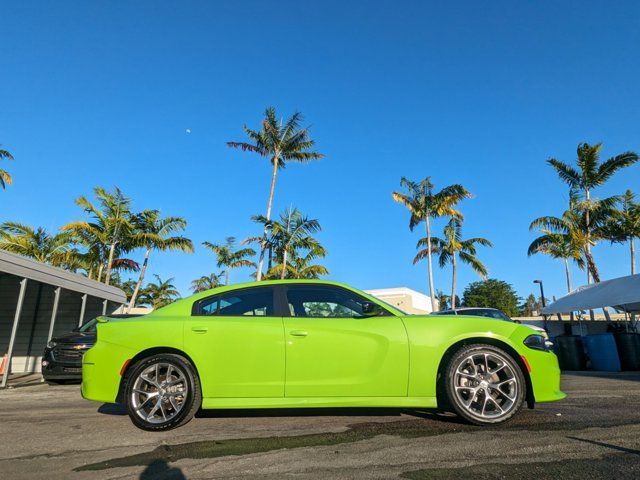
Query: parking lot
(49, 432)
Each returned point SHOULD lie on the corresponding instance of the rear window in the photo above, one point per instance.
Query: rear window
(250, 302)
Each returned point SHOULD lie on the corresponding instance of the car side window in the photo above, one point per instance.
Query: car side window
(324, 301)
(249, 302)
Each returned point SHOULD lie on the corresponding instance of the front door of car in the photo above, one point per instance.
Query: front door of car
(334, 350)
(237, 344)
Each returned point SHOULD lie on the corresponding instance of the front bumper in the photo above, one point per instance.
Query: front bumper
(54, 369)
(545, 376)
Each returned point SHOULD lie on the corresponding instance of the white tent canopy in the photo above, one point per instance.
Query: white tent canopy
(621, 293)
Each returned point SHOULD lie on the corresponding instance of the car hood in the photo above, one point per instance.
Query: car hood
(76, 337)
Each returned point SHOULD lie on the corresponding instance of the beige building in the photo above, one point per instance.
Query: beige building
(405, 299)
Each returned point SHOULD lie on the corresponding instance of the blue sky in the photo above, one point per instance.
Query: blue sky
(478, 93)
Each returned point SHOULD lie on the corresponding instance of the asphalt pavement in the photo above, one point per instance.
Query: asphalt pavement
(49, 432)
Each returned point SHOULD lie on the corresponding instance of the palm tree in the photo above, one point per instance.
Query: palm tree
(558, 246)
(424, 203)
(153, 232)
(5, 178)
(290, 239)
(450, 248)
(292, 232)
(206, 282)
(281, 142)
(159, 294)
(56, 250)
(301, 266)
(110, 230)
(229, 257)
(591, 173)
(624, 225)
(573, 224)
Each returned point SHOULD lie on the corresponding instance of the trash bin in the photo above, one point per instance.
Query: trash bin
(603, 352)
(570, 352)
(628, 350)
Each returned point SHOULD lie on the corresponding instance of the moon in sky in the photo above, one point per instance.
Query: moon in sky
(188, 130)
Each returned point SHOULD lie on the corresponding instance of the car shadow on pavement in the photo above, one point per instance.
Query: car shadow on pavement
(299, 412)
(112, 409)
(160, 470)
(120, 410)
(330, 412)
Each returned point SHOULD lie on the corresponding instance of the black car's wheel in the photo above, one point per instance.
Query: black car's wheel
(162, 392)
(484, 384)
(57, 382)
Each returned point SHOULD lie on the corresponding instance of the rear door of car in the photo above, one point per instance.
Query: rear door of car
(237, 343)
(334, 351)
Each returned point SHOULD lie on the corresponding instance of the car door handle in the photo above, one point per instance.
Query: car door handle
(298, 333)
(199, 329)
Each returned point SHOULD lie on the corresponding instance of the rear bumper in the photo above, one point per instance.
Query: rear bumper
(101, 372)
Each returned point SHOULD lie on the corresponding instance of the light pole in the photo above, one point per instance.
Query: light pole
(544, 304)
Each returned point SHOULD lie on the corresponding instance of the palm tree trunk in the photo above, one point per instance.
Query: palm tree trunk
(107, 275)
(226, 275)
(263, 242)
(284, 263)
(432, 292)
(453, 280)
(591, 266)
(100, 267)
(568, 274)
(136, 290)
(632, 250)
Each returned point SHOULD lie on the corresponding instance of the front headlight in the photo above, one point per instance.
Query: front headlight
(51, 344)
(538, 342)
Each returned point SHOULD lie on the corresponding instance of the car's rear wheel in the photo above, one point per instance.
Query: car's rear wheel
(162, 392)
(484, 384)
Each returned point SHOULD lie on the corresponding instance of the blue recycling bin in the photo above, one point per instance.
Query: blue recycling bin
(601, 349)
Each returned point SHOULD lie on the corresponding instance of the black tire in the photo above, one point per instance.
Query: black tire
(465, 400)
(189, 405)
(56, 382)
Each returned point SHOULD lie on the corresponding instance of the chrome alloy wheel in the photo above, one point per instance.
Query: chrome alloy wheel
(486, 385)
(159, 392)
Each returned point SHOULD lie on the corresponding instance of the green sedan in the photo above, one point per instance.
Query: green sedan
(311, 343)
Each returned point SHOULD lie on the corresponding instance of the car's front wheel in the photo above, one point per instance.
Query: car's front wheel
(484, 384)
(162, 392)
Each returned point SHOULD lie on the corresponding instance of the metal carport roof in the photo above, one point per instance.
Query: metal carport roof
(24, 267)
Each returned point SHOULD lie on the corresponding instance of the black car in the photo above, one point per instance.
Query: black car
(62, 358)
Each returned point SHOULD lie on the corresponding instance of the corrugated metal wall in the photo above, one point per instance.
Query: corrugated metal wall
(35, 319)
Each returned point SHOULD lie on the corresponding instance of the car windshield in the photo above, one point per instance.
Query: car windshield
(379, 300)
(89, 327)
(485, 312)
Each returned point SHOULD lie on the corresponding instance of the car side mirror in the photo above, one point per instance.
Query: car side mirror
(370, 309)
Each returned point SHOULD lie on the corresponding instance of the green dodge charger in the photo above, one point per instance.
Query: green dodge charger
(297, 343)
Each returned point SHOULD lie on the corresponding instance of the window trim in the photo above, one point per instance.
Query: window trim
(196, 307)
